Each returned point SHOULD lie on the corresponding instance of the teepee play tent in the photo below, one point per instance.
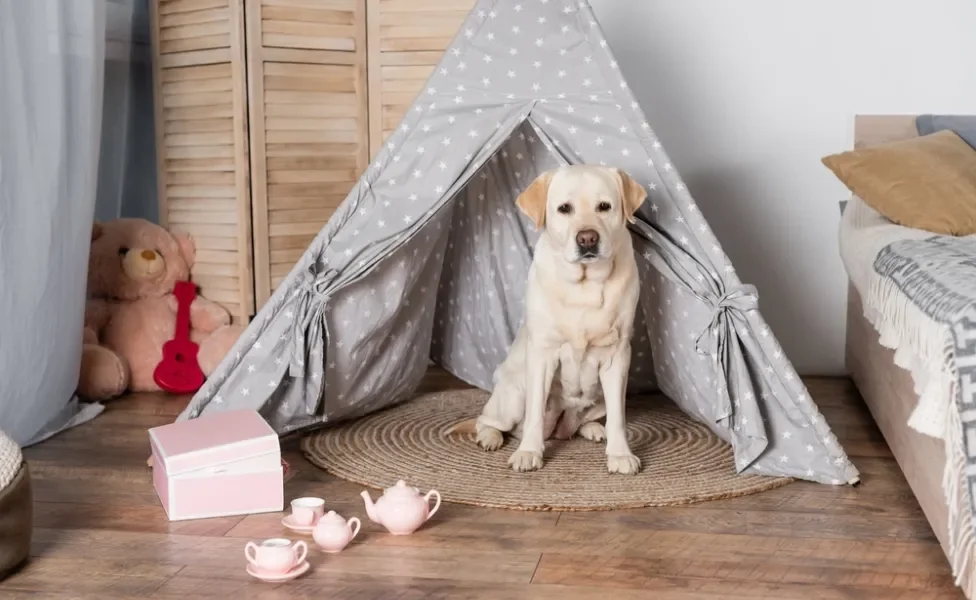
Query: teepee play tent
(427, 256)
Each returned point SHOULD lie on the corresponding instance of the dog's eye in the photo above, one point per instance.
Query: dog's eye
(123, 250)
(565, 209)
(603, 206)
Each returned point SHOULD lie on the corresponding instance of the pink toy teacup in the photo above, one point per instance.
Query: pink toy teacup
(276, 555)
(306, 511)
(333, 533)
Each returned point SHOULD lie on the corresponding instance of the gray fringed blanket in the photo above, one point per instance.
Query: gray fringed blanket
(937, 276)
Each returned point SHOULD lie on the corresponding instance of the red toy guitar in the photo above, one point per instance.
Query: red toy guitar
(179, 372)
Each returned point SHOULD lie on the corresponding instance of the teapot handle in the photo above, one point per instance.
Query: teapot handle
(436, 504)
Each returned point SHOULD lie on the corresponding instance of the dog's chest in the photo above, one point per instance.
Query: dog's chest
(587, 329)
(584, 315)
(579, 371)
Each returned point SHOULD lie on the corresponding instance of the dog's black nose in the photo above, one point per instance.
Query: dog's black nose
(587, 239)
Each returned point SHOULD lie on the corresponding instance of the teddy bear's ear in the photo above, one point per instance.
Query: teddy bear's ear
(188, 248)
(97, 231)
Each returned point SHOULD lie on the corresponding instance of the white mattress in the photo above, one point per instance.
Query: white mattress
(918, 341)
(863, 233)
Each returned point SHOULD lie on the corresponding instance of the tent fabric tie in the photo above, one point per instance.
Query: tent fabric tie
(714, 340)
(308, 331)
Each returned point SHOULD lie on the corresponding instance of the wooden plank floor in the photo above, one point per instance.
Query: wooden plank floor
(100, 533)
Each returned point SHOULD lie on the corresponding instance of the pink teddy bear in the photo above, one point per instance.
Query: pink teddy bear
(131, 312)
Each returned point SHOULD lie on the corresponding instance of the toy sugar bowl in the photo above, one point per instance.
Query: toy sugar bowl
(332, 532)
(401, 509)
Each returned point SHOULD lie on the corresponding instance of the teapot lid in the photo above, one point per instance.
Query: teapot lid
(401, 491)
(331, 517)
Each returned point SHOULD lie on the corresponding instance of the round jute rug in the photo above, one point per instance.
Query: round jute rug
(682, 462)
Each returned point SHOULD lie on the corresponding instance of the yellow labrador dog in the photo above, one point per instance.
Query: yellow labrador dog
(569, 363)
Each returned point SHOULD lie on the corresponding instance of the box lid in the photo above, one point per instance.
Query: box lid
(213, 440)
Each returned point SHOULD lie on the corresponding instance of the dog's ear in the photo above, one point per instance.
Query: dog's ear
(632, 194)
(532, 201)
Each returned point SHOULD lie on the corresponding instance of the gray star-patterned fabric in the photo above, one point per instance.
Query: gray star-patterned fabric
(427, 257)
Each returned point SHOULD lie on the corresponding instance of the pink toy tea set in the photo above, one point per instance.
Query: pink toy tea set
(230, 463)
(402, 509)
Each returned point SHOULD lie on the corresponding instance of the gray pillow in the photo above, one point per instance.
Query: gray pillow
(962, 125)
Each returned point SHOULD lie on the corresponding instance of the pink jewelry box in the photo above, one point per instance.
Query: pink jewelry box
(224, 464)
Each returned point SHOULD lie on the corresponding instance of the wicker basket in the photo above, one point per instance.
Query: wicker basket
(16, 507)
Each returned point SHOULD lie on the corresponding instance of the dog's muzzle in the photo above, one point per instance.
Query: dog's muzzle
(588, 243)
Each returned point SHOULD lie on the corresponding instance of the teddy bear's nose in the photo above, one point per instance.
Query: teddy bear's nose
(149, 255)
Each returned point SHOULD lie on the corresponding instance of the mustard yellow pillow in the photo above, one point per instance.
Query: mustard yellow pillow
(927, 182)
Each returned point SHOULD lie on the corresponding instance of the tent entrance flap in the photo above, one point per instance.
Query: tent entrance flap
(378, 354)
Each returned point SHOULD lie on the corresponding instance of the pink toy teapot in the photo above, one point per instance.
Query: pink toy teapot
(332, 533)
(401, 508)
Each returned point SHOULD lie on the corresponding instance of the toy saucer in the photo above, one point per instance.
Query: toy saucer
(290, 523)
(271, 577)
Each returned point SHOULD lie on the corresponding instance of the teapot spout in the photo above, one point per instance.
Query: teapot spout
(370, 507)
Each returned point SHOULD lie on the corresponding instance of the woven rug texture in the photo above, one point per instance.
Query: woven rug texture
(682, 462)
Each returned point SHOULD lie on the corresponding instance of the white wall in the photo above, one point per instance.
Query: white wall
(747, 96)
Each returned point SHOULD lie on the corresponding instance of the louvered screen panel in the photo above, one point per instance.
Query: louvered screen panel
(308, 113)
(202, 164)
(407, 38)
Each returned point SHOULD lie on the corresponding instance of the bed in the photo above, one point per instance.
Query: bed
(901, 361)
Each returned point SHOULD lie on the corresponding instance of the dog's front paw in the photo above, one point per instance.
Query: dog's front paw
(625, 464)
(490, 439)
(593, 431)
(525, 460)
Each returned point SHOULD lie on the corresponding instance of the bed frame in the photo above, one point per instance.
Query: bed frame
(888, 389)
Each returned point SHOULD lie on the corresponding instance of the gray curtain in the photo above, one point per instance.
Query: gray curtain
(51, 83)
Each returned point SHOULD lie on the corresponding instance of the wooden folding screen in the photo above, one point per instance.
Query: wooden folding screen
(268, 111)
